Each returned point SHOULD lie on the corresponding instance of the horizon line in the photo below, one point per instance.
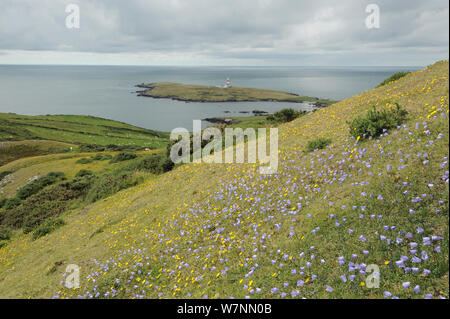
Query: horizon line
(181, 65)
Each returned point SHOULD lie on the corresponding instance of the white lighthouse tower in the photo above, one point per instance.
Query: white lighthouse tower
(228, 83)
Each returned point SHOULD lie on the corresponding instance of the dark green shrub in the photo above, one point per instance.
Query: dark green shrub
(57, 175)
(151, 163)
(84, 172)
(3, 202)
(5, 234)
(12, 203)
(28, 190)
(38, 208)
(99, 187)
(167, 165)
(47, 227)
(123, 156)
(31, 222)
(318, 144)
(109, 184)
(376, 122)
(155, 163)
(84, 161)
(37, 185)
(100, 157)
(123, 148)
(393, 77)
(110, 148)
(86, 148)
(285, 115)
(80, 184)
(117, 148)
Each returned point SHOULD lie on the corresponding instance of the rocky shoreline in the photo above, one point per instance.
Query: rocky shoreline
(220, 120)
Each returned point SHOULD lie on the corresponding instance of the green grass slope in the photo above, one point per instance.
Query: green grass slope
(25, 169)
(312, 230)
(77, 129)
(11, 151)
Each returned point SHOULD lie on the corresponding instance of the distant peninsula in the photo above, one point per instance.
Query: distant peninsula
(203, 93)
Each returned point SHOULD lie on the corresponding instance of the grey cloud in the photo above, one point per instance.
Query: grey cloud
(266, 30)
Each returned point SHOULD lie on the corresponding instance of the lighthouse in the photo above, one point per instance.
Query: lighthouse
(228, 83)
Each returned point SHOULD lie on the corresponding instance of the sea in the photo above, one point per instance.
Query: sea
(109, 91)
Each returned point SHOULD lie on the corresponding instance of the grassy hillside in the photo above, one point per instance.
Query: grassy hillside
(23, 170)
(33, 146)
(76, 129)
(202, 93)
(311, 230)
(10, 151)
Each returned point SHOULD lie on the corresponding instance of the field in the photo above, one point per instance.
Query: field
(201, 93)
(10, 151)
(76, 129)
(318, 228)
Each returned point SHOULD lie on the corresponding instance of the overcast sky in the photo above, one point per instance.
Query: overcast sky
(224, 32)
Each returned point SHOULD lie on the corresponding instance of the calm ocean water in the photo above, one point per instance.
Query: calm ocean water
(106, 91)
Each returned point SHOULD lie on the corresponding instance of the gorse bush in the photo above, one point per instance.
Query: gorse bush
(37, 185)
(109, 148)
(86, 148)
(123, 156)
(376, 122)
(39, 216)
(125, 177)
(318, 144)
(167, 165)
(285, 115)
(40, 207)
(3, 202)
(47, 227)
(83, 173)
(150, 163)
(10, 203)
(84, 161)
(48, 203)
(100, 157)
(56, 175)
(80, 184)
(5, 234)
(393, 77)
(155, 163)
(109, 184)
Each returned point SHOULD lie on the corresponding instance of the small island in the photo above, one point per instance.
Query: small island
(203, 93)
